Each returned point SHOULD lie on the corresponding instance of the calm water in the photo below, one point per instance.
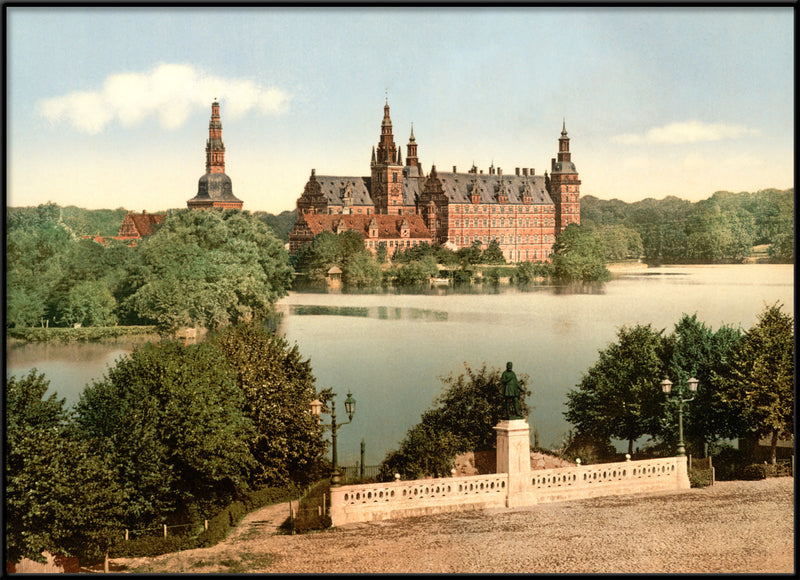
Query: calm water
(391, 349)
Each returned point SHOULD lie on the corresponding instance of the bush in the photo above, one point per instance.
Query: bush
(757, 471)
(150, 546)
(700, 477)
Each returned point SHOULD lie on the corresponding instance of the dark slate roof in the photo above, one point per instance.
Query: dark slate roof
(333, 189)
(215, 187)
(564, 167)
(457, 187)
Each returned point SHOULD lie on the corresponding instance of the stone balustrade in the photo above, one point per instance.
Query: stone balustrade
(514, 484)
(378, 501)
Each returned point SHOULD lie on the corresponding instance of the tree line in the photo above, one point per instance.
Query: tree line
(200, 268)
(168, 436)
(721, 229)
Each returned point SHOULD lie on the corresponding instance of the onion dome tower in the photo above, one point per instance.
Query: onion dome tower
(214, 188)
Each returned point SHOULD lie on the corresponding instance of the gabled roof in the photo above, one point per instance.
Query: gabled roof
(389, 226)
(140, 224)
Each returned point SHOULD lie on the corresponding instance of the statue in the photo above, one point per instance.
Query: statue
(511, 391)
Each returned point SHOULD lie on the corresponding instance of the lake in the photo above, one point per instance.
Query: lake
(390, 349)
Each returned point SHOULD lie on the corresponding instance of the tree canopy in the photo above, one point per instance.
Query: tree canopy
(210, 269)
(578, 255)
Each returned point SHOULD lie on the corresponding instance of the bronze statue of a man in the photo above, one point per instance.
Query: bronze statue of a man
(511, 391)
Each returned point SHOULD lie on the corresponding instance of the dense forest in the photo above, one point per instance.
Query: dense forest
(721, 229)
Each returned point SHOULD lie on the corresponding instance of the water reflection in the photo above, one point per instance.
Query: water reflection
(379, 312)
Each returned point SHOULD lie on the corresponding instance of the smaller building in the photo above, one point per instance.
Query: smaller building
(136, 226)
(396, 234)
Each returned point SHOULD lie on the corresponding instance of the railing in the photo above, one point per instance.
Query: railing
(404, 498)
(366, 502)
(353, 472)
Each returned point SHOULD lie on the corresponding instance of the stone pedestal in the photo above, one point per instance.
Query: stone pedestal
(514, 458)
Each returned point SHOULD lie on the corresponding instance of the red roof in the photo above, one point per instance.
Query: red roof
(389, 226)
(139, 225)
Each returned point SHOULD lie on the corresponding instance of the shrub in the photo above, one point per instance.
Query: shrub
(700, 477)
(757, 471)
(150, 546)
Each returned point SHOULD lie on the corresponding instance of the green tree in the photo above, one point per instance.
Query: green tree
(462, 419)
(493, 254)
(781, 251)
(361, 271)
(470, 255)
(277, 387)
(578, 255)
(88, 303)
(417, 272)
(210, 269)
(697, 351)
(169, 419)
(619, 396)
(381, 254)
(760, 379)
(60, 497)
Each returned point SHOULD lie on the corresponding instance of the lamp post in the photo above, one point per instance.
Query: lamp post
(666, 386)
(350, 409)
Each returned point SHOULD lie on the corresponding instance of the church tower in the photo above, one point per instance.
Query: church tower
(386, 188)
(565, 187)
(215, 188)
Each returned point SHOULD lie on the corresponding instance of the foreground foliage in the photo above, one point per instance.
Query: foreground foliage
(746, 384)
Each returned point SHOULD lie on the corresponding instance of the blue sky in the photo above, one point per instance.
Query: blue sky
(109, 107)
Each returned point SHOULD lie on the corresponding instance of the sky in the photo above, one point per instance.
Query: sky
(109, 107)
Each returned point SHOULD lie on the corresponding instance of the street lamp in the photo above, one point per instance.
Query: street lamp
(350, 409)
(666, 386)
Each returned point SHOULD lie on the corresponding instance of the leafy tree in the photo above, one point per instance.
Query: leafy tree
(417, 272)
(578, 255)
(493, 254)
(619, 396)
(277, 387)
(210, 268)
(169, 419)
(760, 379)
(361, 271)
(88, 304)
(463, 419)
(60, 497)
(381, 254)
(526, 272)
(697, 351)
(781, 251)
(471, 254)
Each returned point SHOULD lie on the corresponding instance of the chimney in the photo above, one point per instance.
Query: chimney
(524, 171)
(144, 212)
(481, 171)
(517, 170)
(552, 164)
(499, 171)
(533, 171)
(454, 169)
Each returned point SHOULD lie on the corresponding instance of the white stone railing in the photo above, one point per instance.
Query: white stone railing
(366, 502)
(668, 473)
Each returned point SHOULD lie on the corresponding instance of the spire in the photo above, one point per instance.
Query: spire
(387, 150)
(411, 150)
(411, 139)
(215, 148)
(564, 128)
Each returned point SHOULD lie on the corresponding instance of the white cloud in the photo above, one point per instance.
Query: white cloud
(168, 92)
(685, 132)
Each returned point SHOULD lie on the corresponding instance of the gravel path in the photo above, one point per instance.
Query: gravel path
(732, 527)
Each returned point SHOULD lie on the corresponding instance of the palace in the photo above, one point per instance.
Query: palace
(523, 211)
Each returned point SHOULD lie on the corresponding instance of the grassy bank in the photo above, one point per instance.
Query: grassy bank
(88, 334)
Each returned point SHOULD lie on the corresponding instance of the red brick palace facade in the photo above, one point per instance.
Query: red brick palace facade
(522, 211)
